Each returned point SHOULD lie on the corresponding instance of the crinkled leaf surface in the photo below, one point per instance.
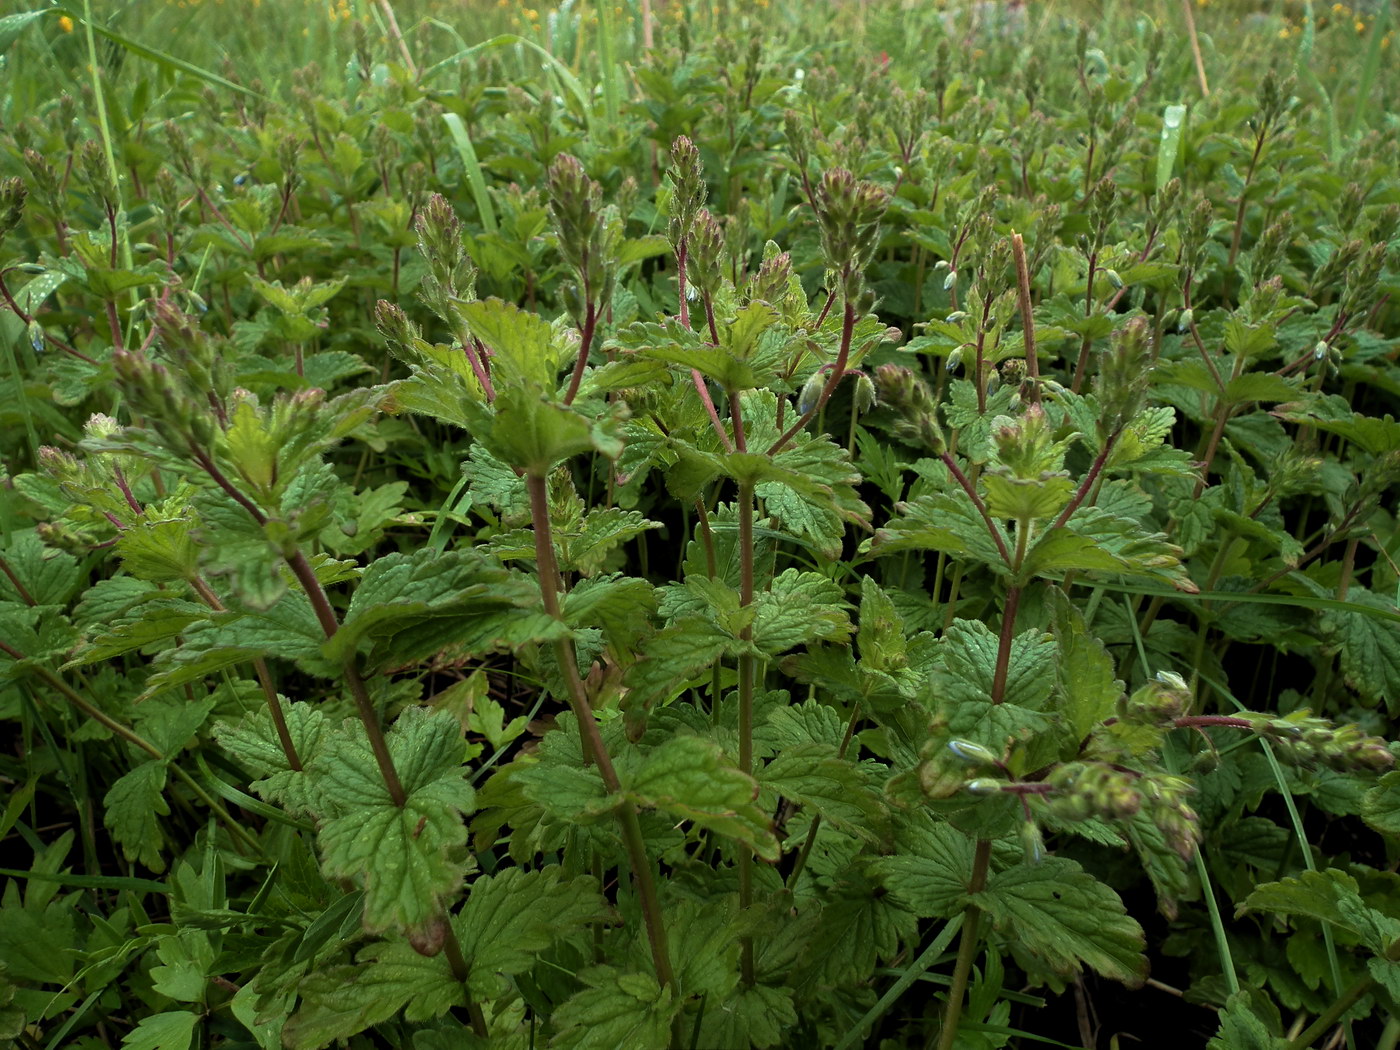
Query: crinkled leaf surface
(1066, 919)
(411, 858)
(614, 1009)
(689, 777)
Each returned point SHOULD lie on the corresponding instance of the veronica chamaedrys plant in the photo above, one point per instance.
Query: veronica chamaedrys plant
(1162, 472)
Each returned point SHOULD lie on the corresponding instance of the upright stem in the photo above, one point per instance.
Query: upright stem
(1195, 46)
(452, 948)
(1236, 237)
(1023, 296)
(967, 947)
(591, 736)
(590, 322)
(359, 692)
(838, 369)
(1008, 634)
(981, 857)
(746, 686)
(274, 709)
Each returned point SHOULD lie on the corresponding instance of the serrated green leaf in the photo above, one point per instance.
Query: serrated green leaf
(556, 778)
(929, 874)
(964, 680)
(132, 810)
(1369, 648)
(814, 775)
(798, 609)
(1066, 919)
(288, 630)
(1260, 386)
(411, 857)
(159, 551)
(1032, 499)
(48, 576)
(673, 656)
(583, 550)
(792, 725)
(941, 522)
(1087, 685)
(1094, 540)
(151, 624)
(410, 605)
(185, 958)
(1243, 1029)
(172, 1030)
(620, 605)
(254, 743)
(690, 778)
(511, 917)
(528, 431)
(803, 519)
(1328, 896)
(524, 345)
(615, 1009)
(341, 1001)
(1381, 806)
(169, 725)
(880, 640)
(759, 1016)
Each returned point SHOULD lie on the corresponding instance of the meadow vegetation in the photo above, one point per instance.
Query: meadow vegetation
(699, 524)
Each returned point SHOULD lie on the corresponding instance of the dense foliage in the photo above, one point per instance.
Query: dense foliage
(722, 540)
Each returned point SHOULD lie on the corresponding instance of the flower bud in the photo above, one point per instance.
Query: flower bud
(863, 399)
(12, 197)
(1032, 842)
(971, 753)
(811, 392)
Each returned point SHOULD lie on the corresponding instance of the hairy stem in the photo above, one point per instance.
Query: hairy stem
(838, 370)
(1023, 297)
(746, 690)
(592, 738)
(590, 323)
(967, 486)
(461, 971)
(359, 692)
(967, 948)
(274, 709)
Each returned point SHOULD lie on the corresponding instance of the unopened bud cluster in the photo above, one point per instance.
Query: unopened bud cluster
(910, 399)
(1309, 741)
(849, 212)
(587, 233)
(451, 273)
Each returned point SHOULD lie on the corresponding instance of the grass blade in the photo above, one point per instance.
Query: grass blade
(607, 58)
(561, 71)
(472, 166)
(1371, 67)
(1172, 118)
(140, 50)
(89, 882)
(926, 959)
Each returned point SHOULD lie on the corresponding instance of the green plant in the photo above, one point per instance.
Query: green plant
(702, 562)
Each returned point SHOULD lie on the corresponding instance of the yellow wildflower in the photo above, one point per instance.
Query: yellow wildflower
(66, 24)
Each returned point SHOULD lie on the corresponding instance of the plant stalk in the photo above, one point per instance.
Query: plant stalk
(746, 690)
(592, 738)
